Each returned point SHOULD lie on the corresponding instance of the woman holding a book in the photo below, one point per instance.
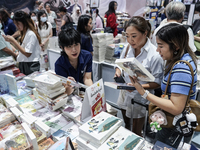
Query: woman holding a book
(139, 47)
(29, 43)
(173, 45)
(74, 62)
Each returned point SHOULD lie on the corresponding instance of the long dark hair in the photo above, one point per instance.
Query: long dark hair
(111, 8)
(176, 36)
(40, 13)
(4, 14)
(25, 19)
(68, 36)
(82, 23)
(140, 24)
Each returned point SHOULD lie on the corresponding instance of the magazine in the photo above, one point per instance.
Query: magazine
(119, 86)
(134, 68)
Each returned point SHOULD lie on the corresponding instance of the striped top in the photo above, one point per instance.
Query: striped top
(181, 78)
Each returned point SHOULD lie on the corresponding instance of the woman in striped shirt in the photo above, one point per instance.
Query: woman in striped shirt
(173, 45)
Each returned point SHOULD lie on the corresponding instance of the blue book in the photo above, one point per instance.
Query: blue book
(162, 146)
(4, 87)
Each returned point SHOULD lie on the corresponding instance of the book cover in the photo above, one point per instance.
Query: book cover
(46, 130)
(24, 98)
(162, 146)
(9, 129)
(46, 144)
(12, 83)
(63, 144)
(39, 135)
(123, 139)
(99, 128)
(134, 68)
(31, 106)
(57, 123)
(119, 86)
(4, 88)
(18, 142)
(45, 114)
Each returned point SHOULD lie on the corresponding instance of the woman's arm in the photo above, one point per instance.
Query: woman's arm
(87, 79)
(16, 44)
(10, 52)
(47, 39)
(196, 38)
(175, 105)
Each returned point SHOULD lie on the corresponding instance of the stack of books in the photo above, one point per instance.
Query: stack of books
(29, 79)
(73, 108)
(99, 46)
(6, 61)
(50, 90)
(96, 131)
(5, 116)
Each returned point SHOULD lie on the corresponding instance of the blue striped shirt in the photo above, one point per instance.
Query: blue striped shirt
(181, 78)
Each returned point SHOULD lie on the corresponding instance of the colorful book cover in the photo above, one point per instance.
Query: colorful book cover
(24, 98)
(46, 144)
(9, 129)
(39, 135)
(4, 88)
(57, 123)
(5, 115)
(123, 139)
(19, 142)
(31, 106)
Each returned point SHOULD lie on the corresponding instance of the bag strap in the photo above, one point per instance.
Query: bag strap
(126, 50)
(192, 73)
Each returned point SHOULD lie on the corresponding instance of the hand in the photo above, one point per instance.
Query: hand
(137, 85)
(69, 89)
(130, 85)
(9, 38)
(117, 72)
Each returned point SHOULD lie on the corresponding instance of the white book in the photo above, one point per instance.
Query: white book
(119, 86)
(99, 128)
(12, 83)
(123, 139)
(31, 136)
(11, 102)
(53, 94)
(134, 68)
(48, 79)
(84, 144)
(17, 113)
(26, 119)
(46, 130)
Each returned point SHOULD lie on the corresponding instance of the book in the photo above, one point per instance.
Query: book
(12, 83)
(46, 144)
(134, 68)
(26, 118)
(45, 114)
(99, 128)
(18, 142)
(5, 116)
(57, 122)
(9, 129)
(31, 106)
(73, 108)
(4, 88)
(161, 146)
(47, 79)
(84, 144)
(31, 136)
(119, 86)
(63, 144)
(39, 135)
(46, 130)
(57, 92)
(123, 139)
(17, 113)
(24, 98)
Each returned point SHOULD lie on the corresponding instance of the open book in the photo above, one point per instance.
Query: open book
(134, 68)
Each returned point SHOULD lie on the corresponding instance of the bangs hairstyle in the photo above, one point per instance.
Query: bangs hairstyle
(40, 13)
(140, 24)
(68, 37)
(25, 19)
(82, 23)
(176, 36)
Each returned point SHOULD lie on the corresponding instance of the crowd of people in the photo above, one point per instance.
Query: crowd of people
(170, 42)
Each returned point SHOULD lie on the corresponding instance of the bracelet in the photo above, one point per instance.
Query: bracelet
(145, 94)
